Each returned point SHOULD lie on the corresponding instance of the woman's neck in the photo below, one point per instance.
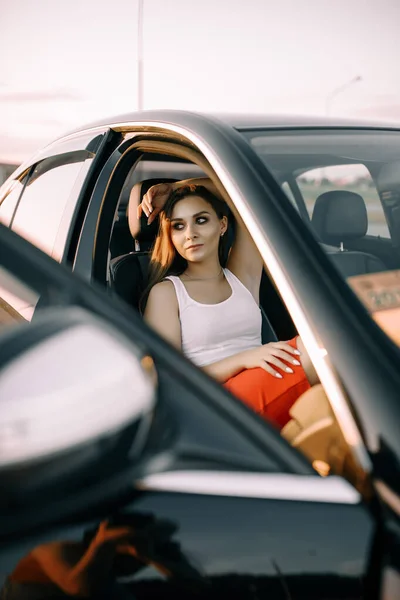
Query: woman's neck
(203, 271)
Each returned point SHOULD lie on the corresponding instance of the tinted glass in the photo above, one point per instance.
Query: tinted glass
(9, 202)
(52, 189)
(17, 300)
(346, 185)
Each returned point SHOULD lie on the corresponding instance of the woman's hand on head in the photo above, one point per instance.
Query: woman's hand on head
(275, 358)
(154, 200)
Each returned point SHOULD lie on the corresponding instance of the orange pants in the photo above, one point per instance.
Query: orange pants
(267, 395)
(29, 570)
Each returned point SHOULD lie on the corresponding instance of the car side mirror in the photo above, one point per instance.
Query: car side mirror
(76, 400)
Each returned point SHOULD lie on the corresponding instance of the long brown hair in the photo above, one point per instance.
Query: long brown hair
(165, 260)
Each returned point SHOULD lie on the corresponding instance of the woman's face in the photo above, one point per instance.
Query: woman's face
(196, 229)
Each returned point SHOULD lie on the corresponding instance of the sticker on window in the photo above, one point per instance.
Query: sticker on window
(380, 293)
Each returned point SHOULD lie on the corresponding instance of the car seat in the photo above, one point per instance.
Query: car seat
(314, 430)
(338, 217)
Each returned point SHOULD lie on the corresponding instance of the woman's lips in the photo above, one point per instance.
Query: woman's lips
(195, 247)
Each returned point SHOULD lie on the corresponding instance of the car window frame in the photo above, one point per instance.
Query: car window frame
(248, 177)
(103, 144)
(111, 171)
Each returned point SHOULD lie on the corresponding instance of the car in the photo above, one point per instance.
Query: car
(222, 503)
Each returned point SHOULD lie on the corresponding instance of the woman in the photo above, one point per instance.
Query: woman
(212, 313)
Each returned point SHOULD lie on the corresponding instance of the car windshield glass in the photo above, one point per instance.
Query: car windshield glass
(345, 184)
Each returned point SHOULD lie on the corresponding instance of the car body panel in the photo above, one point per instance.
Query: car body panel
(242, 547)
(238, 120)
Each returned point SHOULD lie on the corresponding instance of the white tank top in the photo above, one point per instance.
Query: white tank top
(211, 332)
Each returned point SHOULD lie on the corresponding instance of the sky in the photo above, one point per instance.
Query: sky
(67, 62)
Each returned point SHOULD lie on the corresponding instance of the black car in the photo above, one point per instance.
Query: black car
(126, 471)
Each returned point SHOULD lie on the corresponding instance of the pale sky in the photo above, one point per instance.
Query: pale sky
(67, 62)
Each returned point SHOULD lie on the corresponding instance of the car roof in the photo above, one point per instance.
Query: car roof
(197, 120)
(241, 122)
(238, 121)
(245, 121)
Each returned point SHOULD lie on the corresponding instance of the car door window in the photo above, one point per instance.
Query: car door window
(9, 201)
(52, 188)
(353, 178)
(17, 300)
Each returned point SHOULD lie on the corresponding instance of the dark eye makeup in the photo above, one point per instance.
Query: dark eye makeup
(199, 221)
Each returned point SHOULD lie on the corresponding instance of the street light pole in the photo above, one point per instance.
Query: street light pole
(140, 56)
(337, 91)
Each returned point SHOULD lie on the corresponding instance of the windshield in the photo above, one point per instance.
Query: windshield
(345, 183)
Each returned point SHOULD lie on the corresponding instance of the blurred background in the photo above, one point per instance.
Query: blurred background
(67, 62)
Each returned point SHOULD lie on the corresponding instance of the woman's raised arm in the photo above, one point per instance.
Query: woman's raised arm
(244, 258)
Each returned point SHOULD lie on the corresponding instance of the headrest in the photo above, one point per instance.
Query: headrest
(143, 233)
(339, 216)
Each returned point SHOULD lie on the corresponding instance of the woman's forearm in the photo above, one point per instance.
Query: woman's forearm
(224, 369)
(204, 181)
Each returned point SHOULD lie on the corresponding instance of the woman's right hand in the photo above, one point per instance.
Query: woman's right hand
(272, 355)
(154, 200)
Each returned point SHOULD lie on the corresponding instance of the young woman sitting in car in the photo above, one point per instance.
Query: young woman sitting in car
(212, 313)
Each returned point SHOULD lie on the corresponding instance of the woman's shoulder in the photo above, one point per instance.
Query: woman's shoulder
(162, 296)
(163, 289)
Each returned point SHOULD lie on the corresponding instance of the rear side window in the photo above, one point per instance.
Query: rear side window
(17, 300)
(51, 191)
(9, 202)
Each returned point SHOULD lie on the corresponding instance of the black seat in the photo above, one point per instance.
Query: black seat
(129, 272)
(128, 276)
(339, 217)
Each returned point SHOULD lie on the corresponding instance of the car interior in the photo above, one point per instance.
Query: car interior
(130, 250)
(345, 185)
(340, 222)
